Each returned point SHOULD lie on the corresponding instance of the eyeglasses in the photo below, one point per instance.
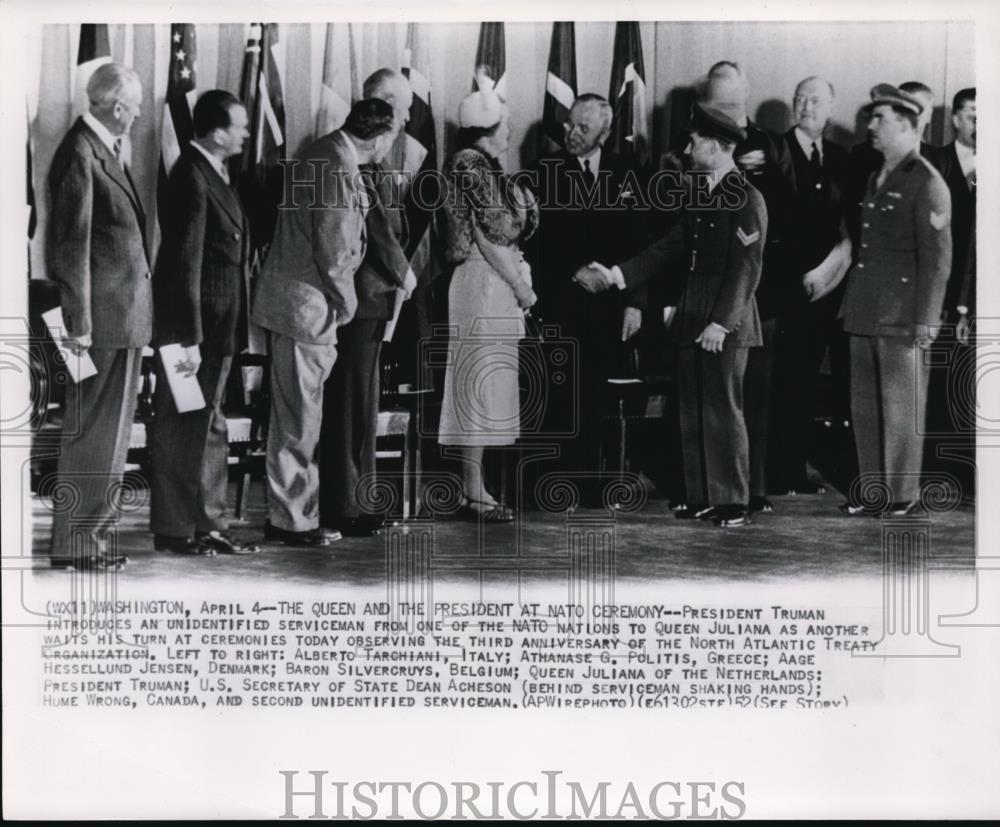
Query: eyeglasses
(815, 100)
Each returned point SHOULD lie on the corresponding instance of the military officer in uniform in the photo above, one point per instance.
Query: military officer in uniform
(893, 300)
(719, 244)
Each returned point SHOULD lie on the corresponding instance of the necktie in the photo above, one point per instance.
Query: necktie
(817, 166)
(588, 173)
(118, 149)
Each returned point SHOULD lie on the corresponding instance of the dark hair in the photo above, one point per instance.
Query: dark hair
(212, 111)
(468, 135)
(962, 97)
(369, 118)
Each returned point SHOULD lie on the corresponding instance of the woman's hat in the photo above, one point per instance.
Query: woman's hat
(480, 110)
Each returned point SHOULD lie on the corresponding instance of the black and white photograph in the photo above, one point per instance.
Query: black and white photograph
(480, 412)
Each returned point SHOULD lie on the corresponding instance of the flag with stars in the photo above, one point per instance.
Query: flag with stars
(257, 172)
(178, 128)
(420, 144)
(560, 82)
(629, 133)
(491, 60)
(94, 50)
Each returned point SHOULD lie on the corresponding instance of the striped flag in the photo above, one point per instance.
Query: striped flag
(560, 82)
(256, 171)
(629, 132)
(32, 216)
(335, 91)
(178, 128)
(420, 147)
(491, 60)
(94, 50)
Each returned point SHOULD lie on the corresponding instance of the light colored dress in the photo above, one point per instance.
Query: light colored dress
(481, 404)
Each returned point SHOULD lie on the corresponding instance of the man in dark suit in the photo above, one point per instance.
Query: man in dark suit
(589, 213)
(304, 292)
(719, 243)
(351, 394)
(766, 162)
(199, 302)
(893, 301)
(97, 253)
(808, 326)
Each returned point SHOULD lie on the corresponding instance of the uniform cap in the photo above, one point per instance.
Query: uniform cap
(710, 122)
(887, 94)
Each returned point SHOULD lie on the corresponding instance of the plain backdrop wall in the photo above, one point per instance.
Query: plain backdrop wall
(853, 56)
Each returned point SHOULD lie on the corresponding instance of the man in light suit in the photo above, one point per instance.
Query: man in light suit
(892, 307)
(97, 253)
(718, 246)
(200, 302)
(305, 291)
(351, 395)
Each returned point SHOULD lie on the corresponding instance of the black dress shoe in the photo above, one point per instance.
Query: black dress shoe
(731, 516)
(222, 543)
(365, 525)
(804, 487)
(758, 503)
(691, 512)
(905, 509)
(854, 510)
(95, 562)
(314, 537)
(181, 545)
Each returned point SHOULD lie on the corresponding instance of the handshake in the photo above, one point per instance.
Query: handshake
(595, 278)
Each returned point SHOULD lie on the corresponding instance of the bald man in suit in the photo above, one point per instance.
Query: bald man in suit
(97, 252)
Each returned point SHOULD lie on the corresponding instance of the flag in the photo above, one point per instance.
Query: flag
(629, 133)
(94, 50)
(32, 217)
(335, 91)
(178, 128)
(491, 60)
(560, 82)
(257, 172)
(420, 144)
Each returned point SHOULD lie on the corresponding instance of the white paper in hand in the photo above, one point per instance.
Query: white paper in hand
(79, 367)
(183, 383)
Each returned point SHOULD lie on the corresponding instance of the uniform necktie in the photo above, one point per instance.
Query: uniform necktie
(588, 173)
(118, 150)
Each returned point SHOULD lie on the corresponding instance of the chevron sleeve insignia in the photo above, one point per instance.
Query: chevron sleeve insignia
(747, 239)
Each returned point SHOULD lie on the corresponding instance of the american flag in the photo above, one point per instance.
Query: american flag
(560, 82)
(178, 129)
(629, 133)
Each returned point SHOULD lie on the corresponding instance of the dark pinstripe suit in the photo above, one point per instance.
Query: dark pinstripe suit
(96, 252)
(200, 298)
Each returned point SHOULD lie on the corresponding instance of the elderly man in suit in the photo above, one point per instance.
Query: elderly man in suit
(304, 293)
(588, 213)
(719, 246)
(893, 302)
(98, 255)
(199, 302)
(808, 324)
(351, 395)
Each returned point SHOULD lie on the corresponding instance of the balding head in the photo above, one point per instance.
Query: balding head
(812, 105)
(727, 91)
(394, 89)
(115, 95)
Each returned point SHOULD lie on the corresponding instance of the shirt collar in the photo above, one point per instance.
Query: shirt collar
(807, 143)
(594, 158)
(719, 174)
(352, 149)
(101, 131)
(964, 151)
(215, 162)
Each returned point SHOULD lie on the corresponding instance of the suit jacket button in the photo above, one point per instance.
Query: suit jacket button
(147, 275)
(871, 204)
(866, 225)
(236, 236)
(904, 279)
(861, 266)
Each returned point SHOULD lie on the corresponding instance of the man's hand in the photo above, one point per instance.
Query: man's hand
(712, 338)
(594, 277)
(525, 295)
(631, 323)
(811, 283)
(193, 358)
(409, 283)
(962, 327)
(926, 334)
(751, 160)
(77, 345)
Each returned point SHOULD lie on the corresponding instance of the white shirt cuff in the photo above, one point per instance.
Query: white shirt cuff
(617, 277)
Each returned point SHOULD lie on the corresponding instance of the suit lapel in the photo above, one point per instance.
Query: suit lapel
(222, 193)
(114, 170)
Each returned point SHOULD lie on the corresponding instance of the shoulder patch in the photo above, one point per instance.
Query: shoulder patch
(939, 220)
(746, 239)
